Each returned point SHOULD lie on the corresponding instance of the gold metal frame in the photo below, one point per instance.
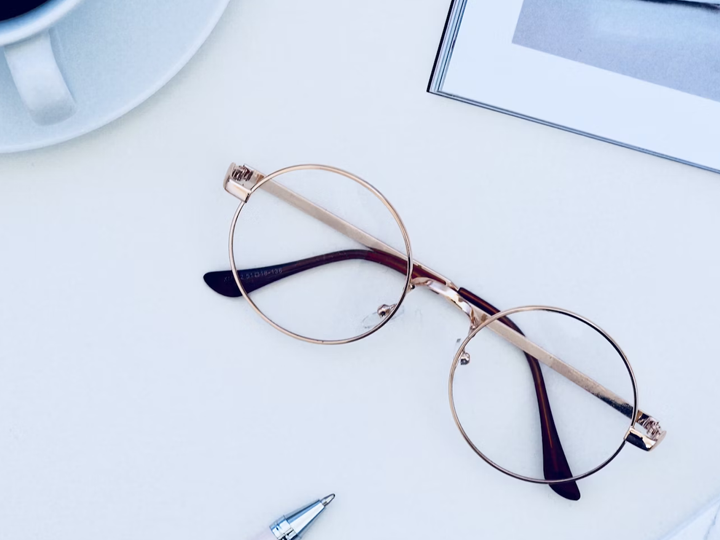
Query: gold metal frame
(243, 181)
(495, 318)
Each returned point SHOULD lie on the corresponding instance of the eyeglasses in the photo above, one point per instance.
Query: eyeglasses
(350, 268)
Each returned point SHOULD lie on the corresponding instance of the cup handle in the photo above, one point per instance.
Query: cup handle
(38, 79)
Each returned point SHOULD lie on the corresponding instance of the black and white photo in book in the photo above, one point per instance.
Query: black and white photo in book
(639, 73)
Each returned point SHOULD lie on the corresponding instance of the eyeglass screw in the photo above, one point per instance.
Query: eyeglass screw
(464, 358)
(241, 173)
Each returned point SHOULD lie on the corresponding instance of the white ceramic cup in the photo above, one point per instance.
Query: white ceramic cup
(25, 40)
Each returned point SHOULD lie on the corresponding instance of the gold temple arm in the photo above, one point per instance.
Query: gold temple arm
(340, 225)
(242, 181)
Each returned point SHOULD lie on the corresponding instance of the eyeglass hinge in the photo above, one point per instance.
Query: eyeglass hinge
(240, 180)
(653, 435)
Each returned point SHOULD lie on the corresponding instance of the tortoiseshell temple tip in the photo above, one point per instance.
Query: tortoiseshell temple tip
(223, 283)
(555, 464)
(556, 467)
(568, 490)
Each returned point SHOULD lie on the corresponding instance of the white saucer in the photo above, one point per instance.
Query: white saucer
(114, 56)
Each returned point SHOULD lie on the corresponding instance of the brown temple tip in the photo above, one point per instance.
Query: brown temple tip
(555, 464)
(568, 490)
(223, 283)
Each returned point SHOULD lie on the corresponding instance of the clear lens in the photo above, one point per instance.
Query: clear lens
(307, 277)
(499, 401)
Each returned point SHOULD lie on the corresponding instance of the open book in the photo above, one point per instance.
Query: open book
(643, 74)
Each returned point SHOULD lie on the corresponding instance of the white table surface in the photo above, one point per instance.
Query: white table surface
(703, 525)
(135, 403)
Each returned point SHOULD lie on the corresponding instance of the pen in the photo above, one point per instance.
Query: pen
(295, 524)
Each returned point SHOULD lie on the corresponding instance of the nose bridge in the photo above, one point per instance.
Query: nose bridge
(451, 295)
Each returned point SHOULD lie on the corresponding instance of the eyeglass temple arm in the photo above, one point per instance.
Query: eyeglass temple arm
(223, 282)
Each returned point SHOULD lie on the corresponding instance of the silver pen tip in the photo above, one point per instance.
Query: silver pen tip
(327, 500)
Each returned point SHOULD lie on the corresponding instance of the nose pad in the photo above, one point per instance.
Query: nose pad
(372, 320)
(384, 310)
(465, 356)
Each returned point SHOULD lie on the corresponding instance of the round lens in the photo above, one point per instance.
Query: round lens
(531, 420)
(321, 254)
